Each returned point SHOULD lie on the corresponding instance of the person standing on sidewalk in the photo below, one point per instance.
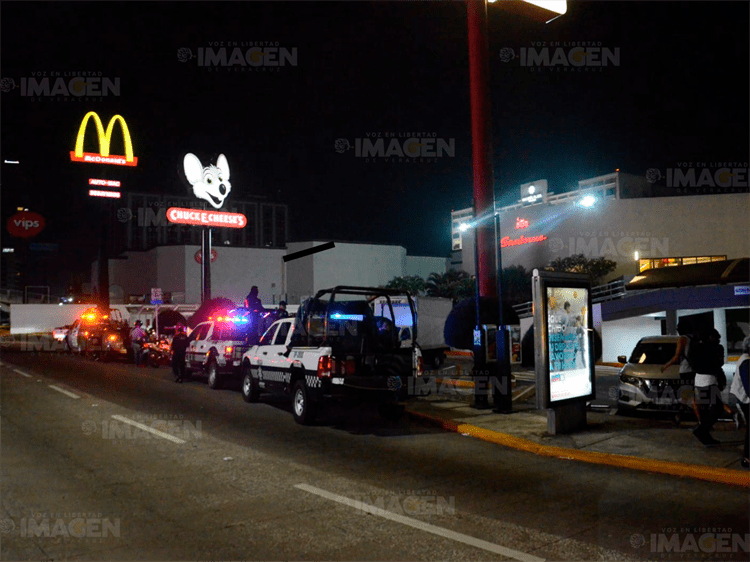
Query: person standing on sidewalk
(180, 343)
(137, 339)
(707, 357)
(740, 390)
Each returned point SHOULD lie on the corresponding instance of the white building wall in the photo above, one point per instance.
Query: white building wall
(620, 336)
(299, 273)
(234, 272)
(367, 265)
(423, 265)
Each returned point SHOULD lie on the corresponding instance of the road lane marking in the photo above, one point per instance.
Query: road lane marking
(149, 429)
(28, 376)
(422, 526)
(65, 392)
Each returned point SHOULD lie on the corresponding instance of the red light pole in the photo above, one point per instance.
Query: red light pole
(488, 258)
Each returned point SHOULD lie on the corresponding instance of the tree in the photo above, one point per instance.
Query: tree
(412, 283)
(453, 284)
(516, 284)
(596, 268)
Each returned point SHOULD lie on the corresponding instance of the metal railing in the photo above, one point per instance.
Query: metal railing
(601, 293)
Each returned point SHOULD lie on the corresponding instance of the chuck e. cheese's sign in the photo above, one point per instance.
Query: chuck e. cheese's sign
(206, 218)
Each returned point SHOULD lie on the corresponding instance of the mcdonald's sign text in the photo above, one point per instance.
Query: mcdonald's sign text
(206, 218)
(105, 137)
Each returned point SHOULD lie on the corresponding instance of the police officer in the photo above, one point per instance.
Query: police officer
(180, 344)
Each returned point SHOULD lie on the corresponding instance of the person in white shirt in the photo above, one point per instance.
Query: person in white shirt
(739, 391)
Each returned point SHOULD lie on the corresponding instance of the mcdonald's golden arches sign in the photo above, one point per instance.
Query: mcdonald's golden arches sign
(105, 137)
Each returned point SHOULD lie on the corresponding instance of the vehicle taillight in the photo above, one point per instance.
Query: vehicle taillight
(228, 350)
(324, 366)
(420, 366)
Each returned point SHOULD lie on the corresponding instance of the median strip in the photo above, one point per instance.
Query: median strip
(422, 526)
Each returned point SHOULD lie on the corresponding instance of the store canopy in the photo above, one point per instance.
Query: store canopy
(726, 272)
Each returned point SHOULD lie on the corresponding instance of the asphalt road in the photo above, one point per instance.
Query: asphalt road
(226, 480)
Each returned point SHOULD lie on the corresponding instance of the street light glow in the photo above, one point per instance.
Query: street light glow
(463, 227)
(588, 201)
(557, 6)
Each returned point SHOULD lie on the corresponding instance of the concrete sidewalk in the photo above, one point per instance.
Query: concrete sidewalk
(647, 441)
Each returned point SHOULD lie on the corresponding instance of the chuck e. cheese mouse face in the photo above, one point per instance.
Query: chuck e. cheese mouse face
(210, 183)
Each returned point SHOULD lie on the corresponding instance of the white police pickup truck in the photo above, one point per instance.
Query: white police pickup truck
(336, 350)
(216, 346)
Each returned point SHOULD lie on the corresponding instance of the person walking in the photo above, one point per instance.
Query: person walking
(180, 343)
(707, 357)
(137, 339)
(687, 373)
(739, 391)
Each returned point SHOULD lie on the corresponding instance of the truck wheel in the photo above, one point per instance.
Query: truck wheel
(214, 380)
(250, 388)
(302, 407)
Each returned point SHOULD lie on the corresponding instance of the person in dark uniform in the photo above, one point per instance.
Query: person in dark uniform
(180, 344)
(282, 313)
(252, 301)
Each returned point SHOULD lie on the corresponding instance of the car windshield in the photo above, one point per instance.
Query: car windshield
(653, 353)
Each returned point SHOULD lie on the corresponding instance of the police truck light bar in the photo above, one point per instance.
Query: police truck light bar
(100, 193)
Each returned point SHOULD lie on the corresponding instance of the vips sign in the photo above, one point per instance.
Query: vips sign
(206, 218)
(105, 137)
(25, 224)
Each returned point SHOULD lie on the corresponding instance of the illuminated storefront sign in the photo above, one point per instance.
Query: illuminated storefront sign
(100, 193)
(521, 223)
(206, 218)
(105, 137)
(104, 183)
(25, 224)
(507, 241)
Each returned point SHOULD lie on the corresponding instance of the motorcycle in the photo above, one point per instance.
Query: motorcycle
(158, 353)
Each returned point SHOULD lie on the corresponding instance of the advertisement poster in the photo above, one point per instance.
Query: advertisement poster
(568, 343)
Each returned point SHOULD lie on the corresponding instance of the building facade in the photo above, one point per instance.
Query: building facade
(176, 270)
(617, 217)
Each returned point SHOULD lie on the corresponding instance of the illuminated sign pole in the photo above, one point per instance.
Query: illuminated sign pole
(104, 157)
(211, 185)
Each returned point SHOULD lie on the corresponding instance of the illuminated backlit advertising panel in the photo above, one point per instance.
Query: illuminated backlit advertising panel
(105, 138)
(206, 218)
(564, 353)
(568, 343)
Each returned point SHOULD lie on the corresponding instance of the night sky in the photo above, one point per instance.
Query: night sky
(679, 94)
